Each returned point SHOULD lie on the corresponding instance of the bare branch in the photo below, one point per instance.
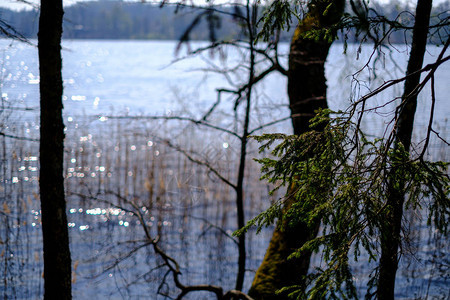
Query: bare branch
(169, 262)
(268, 124)
(9, 32)
(430, 67)
(202, 163)
(211, 225)
(21, 138)
(430, 122)
(192, 120)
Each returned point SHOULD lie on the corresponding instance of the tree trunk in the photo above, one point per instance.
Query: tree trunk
(307, 93)
(391, 228)
(57, 262)
(251, 13)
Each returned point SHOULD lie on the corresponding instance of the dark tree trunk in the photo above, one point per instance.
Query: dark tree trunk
(57, 262)
(251, 12)
(307, 93)
(391, 228)
(307, 87)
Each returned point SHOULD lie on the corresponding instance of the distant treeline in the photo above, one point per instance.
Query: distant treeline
(125, 20)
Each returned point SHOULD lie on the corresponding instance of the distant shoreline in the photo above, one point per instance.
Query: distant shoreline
(116, 20)
(191, 41)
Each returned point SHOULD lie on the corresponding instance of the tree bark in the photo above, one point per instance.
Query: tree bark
(57, 261)
(307, 93)
(390, 229)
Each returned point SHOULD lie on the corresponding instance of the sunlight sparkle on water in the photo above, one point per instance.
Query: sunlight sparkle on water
(78, 98)
(100, 168)
(84, 227)
(124, 223)
(96, 102)
(114, 211)
(96, 211)
(30, 158)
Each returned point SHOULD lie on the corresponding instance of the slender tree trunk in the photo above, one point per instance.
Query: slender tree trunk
(391, 228)
(251, 12)
(307, 93)
(240, 202)
(57, 262)
(240, 197)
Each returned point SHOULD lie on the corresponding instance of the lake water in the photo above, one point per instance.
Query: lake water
(142, 77)
(113, 164)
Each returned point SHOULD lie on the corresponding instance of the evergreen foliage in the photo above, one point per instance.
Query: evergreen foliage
(389, 23)
(341, 176)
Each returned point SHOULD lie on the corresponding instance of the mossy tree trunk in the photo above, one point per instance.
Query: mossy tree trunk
(57, 261)
(390, 229)
(307, 93)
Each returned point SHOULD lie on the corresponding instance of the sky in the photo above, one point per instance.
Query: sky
(19, 4)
